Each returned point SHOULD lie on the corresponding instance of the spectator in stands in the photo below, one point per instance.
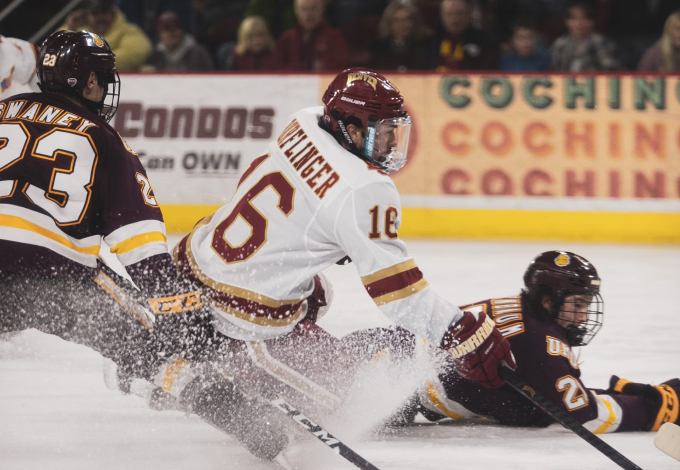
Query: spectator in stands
(131, 46)
(581, 49)
(255, 47)
(145, 13)
(404, 43)
(177, 50)
(526, 54)
(459, 46)
(664, 56)
(313, 44)
(279, 14)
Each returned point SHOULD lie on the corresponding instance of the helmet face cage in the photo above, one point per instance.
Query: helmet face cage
(573, 286)
(108, 105)
(580, 315)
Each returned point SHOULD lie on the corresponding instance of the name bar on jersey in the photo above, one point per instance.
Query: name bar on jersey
(22, 110)
(305, 158)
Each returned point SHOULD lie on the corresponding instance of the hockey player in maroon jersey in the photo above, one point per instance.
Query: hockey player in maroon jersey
(67, 181)
(559, 308)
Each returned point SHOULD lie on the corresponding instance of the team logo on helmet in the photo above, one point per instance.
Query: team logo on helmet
(72, 81)
(97, 40)
(353, 77)
(562, 260)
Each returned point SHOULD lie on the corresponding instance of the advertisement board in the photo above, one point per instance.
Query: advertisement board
(196, 134)
(491, 156)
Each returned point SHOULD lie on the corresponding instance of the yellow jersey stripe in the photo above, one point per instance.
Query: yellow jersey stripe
(12, 221)
(620, 384)
(137, 241)
(387, 272)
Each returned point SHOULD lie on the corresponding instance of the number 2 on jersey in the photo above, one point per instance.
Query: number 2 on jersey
(258, 222)
(69, 192)
(574, 397)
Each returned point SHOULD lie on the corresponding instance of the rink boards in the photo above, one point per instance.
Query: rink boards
(500, 157)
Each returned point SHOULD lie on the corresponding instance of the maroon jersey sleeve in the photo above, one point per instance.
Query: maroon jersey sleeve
(133, 223)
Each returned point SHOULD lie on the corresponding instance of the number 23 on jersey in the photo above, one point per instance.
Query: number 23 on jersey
(69, 190)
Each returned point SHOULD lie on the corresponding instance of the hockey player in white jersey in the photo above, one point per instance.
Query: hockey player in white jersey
(17, 67)
(320, 193)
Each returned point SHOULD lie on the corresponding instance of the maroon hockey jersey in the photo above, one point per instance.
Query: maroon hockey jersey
(67, 180)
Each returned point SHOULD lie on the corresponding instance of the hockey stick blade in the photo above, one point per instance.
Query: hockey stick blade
(322, 435)
(667, 440)
(564, 419)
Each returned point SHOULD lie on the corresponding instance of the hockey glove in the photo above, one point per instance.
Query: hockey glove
(183, 326)
(665, 396)
(477, 348)
(319, 301)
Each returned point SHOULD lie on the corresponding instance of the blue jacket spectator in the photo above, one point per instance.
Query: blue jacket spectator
(525, 55)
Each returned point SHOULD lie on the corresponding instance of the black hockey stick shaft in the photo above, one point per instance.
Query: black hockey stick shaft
(564, 419)
(323, 435)
(279, 403)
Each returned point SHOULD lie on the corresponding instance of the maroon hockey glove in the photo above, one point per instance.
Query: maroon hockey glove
(665, 396)
(477, 348)
(319, 300)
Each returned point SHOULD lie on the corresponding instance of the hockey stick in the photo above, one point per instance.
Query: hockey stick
(564, 419)
(279, 403)
(667, 440)
(321, 434)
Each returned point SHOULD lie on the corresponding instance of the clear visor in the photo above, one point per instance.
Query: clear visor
(387, 143)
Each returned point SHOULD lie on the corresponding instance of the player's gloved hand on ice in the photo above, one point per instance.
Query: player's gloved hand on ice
(477, 348)
(665, 397)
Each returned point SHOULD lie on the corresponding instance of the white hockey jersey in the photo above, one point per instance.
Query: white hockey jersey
(301, 206)
(17, 67)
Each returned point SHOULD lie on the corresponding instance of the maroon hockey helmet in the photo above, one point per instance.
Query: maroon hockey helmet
(369, 101)
(65, 61)
(563, 275)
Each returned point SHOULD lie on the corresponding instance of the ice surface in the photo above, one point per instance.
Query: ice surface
(56, 413)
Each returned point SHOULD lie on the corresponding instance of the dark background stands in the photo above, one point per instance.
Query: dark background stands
(404, 42)
(177, 50)
(255, 48)
(460, 46)
(313, 44)
(664, 55)
(525, 54)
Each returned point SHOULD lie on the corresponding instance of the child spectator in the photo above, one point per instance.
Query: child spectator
(664, 56)
(581, 49)
(313, 44)
(177, 51)
(127, 40)
(404, 42)
(255, 47)
(526, 55)
(459, 46)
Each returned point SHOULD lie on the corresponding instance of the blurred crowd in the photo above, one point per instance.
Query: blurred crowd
(443, 35)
